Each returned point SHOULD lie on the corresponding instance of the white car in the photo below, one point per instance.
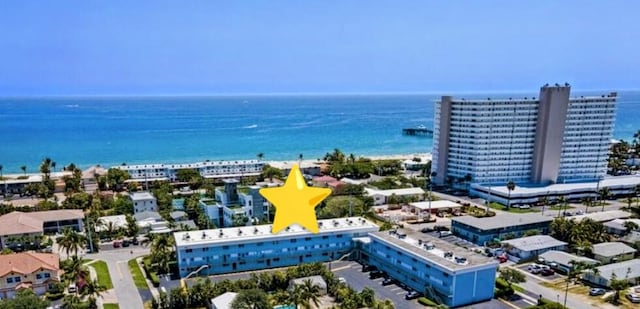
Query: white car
(73, 288)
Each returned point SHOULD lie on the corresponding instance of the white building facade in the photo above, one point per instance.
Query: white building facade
(546, 140)
(207, 169)
(143, 201)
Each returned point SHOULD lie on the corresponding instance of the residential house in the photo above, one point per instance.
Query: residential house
(143, 201)
(629, 270)
(28, 270)
(529, 247)
(18, 224)
(611, 252)
(489, 229)
(381, 197)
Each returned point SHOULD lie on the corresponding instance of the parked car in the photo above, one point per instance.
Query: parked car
(502, 258)
(534, 268)
(116, 244)
(426, 230)
(547, 272)
(387, 281)
(366, 268)
(126, 243)
(525, 207)
(72, 288)
(633, 297)
(135, 241)
(596, 291)
(376, 274)
(412, 295)
(440, 228)
(445, 233)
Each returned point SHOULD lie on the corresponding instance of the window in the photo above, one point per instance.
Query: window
(225, 247)
(241, 246)
(188, 250)
(293, 240)
(307, 238)
(10, 280)
(47, 275)
(325, 237)
(38, 276)
(16, 279)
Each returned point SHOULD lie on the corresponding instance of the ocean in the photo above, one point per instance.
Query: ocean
(114, 130)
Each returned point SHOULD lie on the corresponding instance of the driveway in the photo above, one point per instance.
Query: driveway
(126, 291)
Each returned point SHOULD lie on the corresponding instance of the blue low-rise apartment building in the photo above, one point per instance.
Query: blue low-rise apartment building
(442, 271)
(493, 229)
(247, 248)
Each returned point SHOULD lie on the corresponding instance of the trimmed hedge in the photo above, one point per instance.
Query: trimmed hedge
(501, 283)
(427, 302)
(151, 275)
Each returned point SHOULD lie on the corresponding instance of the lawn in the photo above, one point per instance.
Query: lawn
(111, 306)
(103, 274)
(498, 206)
(136, 273)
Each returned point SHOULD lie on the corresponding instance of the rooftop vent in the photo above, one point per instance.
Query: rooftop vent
(255, 230)
(320, 223)
(335, 223)
(460, 259)
(204, 235)
(186, 236)
(429, 246)
(239, 231)
(221, 233)
(448, 255)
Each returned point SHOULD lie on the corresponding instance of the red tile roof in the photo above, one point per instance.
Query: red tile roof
(28, 262)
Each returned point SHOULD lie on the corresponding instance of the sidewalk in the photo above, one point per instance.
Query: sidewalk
(108, 296)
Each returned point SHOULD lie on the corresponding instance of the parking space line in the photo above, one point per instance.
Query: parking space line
(400, 293)
(395, 289)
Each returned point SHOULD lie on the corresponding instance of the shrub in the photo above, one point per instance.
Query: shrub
(503, 292)
(427, 302)
(54, 296)
(154, 279)
(501, 283)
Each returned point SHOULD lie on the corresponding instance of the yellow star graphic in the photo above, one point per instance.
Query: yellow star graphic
(295, 202)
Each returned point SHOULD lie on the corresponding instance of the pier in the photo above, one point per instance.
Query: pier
(420, 131)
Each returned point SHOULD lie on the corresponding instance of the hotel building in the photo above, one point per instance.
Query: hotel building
(246, 248)
(208, 169)
(530, 141)
(442, 271)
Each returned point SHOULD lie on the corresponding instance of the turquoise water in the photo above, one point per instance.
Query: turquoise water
(113, 130)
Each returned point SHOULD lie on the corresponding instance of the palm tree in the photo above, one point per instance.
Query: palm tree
(71, 301)
(562, 201)
(260, 156)
(386, 304)
(70, 241)
(510, 186)
(24, 169)
(161, 252)
(300, 156)
(74, 269)
(368, 297)
(605, 193)
(93, 290)
(45, 167)
(53, 166)
(309, 292)
(630, 226)
(586, 202)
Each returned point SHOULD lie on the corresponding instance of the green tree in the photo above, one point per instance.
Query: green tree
(70, 241)
(340, 206)
(512, 276)
(618, 285)
(132, 226)
(116, 177)
(92, 290)
(251, 299)
(269, 172)
(24, 299)
(510, 187)
(24, 169)
(309, 293)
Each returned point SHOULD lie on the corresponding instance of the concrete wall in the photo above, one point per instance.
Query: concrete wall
(552, 113)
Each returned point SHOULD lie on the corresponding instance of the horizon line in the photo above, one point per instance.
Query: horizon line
(304, 93)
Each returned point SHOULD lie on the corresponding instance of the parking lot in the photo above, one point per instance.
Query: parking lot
(524, 267)
(358, 280)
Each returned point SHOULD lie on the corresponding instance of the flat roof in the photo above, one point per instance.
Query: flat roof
(611, 249)
(620, 269)
(612, 182)
(564, 258)
(224, 301)
(535, 242)
(263, 232)
(435, 204)
(603, 216)
(186, 165)
(417, 243)
(58, 215)
(619, 223)
(119, 221)
(141, 196)
(399, 192)
(502, 220)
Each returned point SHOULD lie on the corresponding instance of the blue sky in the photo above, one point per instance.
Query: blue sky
(208, 47)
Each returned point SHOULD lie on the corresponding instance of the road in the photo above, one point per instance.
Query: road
(126, 291)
